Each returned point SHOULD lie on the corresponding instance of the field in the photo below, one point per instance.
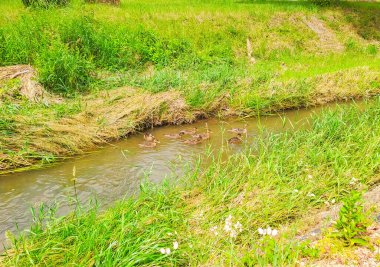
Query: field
(216, 58)
(76, 77)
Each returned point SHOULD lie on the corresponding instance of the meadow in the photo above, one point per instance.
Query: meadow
(216, 58)
(109, 71)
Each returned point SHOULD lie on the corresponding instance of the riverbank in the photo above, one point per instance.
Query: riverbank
(277, 182)
(170, 66)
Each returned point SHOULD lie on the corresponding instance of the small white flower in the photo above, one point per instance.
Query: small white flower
(269, 231)
(175, 245)
(310, 195)
(274, 232)
(333, 201)
(310, 176)
(167, 251)
(238, 227)
(162, 250)
(233, 234)
(262, 231)
(214, 230)
(295, 191)
(170, 234)
(227, 228)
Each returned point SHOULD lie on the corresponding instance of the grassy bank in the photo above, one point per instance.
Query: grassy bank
(203, 58)
(277, 182)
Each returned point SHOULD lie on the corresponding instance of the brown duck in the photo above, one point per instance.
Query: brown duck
(149, 137)
(203, 136)
(148, 144)
(236, 139)
(190, 131)
(194, 141)
(174, 136)
(239, 130)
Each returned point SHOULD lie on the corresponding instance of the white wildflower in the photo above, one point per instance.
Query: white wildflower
(214, 230)
(238, 226)
(269, 231)
(333, 201)
(261, 231)
(233, 233)
(167, 251)
(228, 224)
(310, 195)
(162, 250)
(295, 191)
(310, 176)
(227, 228)
(274, 232)
(175, 245)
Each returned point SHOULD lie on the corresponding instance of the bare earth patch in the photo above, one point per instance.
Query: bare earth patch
(357, 256)
(328, 39)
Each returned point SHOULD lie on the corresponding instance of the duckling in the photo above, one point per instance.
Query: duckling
(190, 131)
(236, 139)
(149, 137)
(194, 141)
(203, 136)
(175, 136)
(148, 144)
(239, 130)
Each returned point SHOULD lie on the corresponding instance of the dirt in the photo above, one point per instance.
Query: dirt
(360, 256)
(328, 39)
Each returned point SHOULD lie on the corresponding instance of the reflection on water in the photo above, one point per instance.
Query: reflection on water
(116, 170)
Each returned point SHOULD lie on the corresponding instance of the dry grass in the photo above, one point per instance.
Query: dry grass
(113, 114)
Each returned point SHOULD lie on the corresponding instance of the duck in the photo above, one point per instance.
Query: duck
(149, 137)
(149, 144)
(175, 135)
(190, 131)
(239, 130)
(194, 141)
(203, 136)
(236, 139)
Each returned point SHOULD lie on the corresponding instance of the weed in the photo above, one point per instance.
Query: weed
(353, 221)
(44, 3)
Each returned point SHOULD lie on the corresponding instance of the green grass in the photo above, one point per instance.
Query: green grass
(197, 48)
(186, 45)
(276, 182)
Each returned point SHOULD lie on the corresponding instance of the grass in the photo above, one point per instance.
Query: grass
(276, 182)
(297, 54)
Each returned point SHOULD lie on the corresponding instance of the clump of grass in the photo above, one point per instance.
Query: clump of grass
(44, 3)
(64, 71)
(215, 211)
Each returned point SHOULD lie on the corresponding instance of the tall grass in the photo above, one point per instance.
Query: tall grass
(187, 46)
(275, 182)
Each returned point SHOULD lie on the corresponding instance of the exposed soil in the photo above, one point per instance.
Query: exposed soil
(362, 256)
(327, 37)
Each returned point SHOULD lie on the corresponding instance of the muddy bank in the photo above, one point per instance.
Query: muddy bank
(37, 138)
